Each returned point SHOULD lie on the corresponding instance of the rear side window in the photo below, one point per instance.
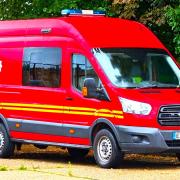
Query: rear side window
(42, 67)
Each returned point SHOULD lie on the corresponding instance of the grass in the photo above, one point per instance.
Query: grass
(70, 170)
(3, 168)
(23, 168)
(37, 169)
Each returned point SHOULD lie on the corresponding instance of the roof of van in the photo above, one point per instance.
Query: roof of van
(96, 31)
(114, 32)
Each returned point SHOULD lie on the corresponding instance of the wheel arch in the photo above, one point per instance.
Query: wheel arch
(4, 122)
(103, 123)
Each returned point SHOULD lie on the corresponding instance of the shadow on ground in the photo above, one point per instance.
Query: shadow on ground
(57, 155)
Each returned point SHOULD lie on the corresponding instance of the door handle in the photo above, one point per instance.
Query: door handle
(69, 98)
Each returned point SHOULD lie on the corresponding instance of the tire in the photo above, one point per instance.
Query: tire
(77, 153)
(6, 145)
(106, 151)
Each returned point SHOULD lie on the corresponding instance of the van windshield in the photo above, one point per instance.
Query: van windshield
(138, 68)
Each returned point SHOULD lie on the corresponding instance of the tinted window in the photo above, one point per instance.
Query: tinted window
(42, 67)
(81, 69)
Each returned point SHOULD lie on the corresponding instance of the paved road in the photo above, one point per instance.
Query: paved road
(53, 163)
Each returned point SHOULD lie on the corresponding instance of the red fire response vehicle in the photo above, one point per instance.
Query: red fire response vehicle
(86, 81)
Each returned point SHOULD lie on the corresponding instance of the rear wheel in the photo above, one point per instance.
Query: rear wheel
(77, 153)
(6, 145)
(106, 151)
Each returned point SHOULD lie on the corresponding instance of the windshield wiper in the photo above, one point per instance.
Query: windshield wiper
(154, 84)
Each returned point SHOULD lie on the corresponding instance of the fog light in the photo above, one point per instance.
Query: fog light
(136, 139)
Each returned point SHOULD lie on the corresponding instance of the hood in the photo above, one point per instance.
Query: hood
(155, 97)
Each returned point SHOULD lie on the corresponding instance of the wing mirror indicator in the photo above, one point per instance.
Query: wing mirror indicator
(85, 91)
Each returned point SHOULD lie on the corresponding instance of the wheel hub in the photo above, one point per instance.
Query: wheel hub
(104, 148)
(1, 141)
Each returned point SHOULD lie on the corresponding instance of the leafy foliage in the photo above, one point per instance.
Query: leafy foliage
(161, 16)
(173, 19)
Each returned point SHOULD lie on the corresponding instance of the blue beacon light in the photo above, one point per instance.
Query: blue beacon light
(67, 12)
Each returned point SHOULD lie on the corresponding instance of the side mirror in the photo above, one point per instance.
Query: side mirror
(90, 90)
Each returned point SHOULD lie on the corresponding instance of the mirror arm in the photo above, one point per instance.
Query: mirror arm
(101, 94)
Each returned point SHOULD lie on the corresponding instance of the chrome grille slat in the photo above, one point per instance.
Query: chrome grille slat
(170, 109)
(169, 115)
(172, 120)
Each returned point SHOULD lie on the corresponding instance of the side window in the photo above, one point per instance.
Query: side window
(81, 69)
(162, 72)
(41, 67)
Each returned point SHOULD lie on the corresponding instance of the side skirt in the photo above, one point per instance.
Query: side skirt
(23, 141)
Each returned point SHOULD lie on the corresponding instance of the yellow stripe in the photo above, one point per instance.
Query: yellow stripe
(48, 106)
(62, 109)
(82, 109)
(109, 115)
(119, 117)
(33, 109)
(79, 113)
(104, 115)
(103, 111)
(32, 105)
(117, 112)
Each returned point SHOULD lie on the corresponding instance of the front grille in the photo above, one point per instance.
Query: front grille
(173, 143)
(169, 115)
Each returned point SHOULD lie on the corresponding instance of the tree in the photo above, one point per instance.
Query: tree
(13, 9)
(161, 16)
(173, 19)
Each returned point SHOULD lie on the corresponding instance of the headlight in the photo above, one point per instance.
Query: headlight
(135, 107)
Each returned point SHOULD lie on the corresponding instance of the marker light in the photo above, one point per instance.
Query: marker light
(67, 12)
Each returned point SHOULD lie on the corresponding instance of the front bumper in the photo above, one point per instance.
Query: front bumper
(146, 140)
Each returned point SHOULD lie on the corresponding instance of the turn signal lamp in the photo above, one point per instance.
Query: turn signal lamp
(84, 91)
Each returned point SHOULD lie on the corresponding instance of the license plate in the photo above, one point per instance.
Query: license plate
(176, 136)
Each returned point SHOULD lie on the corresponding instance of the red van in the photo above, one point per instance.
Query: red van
(87, 81)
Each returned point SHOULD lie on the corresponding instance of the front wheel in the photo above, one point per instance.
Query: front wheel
(106, 151)
(6, 145)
